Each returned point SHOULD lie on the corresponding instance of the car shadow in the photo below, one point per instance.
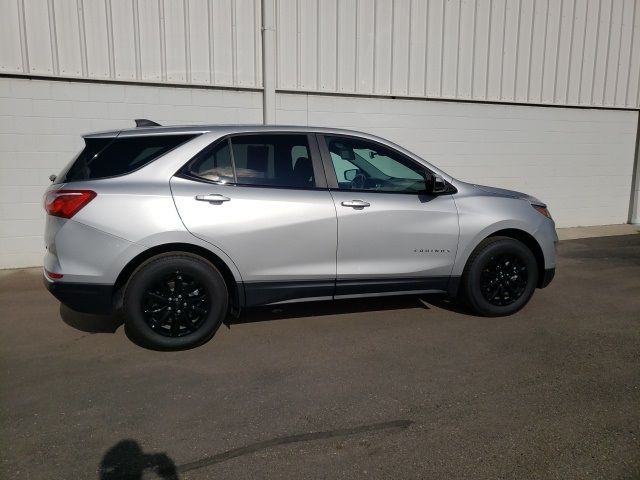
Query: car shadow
(348, 306)
(85, 322)
(90, 323)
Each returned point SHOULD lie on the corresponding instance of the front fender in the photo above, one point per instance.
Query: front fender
(479, 220)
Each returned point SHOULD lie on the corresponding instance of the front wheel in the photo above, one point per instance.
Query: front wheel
(500, 277)
(175, 301)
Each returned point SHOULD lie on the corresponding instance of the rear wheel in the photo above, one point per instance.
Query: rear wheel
(175, 301)
(500, 277)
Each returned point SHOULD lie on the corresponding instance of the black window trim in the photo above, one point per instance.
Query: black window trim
(332, 178)
(319, 173)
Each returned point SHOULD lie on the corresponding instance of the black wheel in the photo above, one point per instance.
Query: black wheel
(500, 277)
(175, 301)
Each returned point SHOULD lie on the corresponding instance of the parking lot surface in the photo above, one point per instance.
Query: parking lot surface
(382, 388)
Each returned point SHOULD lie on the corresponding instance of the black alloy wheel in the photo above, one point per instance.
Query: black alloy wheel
(504, 279)
(174, 301)
(176, 306)
(499, 277)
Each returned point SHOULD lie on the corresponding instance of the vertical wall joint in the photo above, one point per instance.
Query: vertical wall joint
(268, 62)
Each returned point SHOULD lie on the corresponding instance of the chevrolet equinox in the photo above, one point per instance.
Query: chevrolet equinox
(180, 228)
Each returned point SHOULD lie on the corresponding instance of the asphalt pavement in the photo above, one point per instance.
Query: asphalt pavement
(379, 388)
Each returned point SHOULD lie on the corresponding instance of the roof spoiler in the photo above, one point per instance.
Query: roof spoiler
(143, 122)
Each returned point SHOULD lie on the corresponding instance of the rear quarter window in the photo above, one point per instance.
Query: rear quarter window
(110, 157)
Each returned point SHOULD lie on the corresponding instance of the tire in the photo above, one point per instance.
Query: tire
(174, 301)
(503, 266)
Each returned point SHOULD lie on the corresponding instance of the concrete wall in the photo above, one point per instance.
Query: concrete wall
(40, 126)
(579, 161)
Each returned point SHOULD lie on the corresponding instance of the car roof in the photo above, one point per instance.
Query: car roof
(223, 129)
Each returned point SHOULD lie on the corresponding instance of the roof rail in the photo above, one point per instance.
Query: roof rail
(143, 122)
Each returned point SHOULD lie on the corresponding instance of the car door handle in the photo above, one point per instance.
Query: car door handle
(215, 198)
(356, 204)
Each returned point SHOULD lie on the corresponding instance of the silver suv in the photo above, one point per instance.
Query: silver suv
(181, 228)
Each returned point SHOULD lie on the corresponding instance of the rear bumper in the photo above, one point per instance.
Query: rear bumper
(548, 275)
(83, 297)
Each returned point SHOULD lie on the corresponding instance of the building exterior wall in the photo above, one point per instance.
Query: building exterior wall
(41, 123)
(578, 52)
(200, 42)
(579, 161)
(584, 52)
(381, 66)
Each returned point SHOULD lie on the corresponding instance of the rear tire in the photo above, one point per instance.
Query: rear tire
(174, 301)
(500, 277)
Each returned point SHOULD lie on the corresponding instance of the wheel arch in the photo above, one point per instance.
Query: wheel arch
(236, 289)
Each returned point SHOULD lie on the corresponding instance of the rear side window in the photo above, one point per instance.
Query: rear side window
(110, 157)
(272, 160)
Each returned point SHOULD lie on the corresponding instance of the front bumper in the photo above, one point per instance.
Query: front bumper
(83, 297)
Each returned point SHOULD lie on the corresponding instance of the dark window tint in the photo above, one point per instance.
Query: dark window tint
(273, 160)
(363, 165)
(109, 157)
(265, 160)
(213, 164)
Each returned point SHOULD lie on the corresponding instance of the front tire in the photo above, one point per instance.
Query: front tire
(500, 277)
(175, 301)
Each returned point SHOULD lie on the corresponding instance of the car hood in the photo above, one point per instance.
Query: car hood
(509, 193)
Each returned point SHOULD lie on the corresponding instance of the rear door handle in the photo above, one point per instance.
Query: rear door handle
(356, 204)
(215, 198)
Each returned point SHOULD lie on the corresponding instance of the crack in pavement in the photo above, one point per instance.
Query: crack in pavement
(289, 439)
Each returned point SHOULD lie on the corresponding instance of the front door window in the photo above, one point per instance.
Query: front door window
(363, 165)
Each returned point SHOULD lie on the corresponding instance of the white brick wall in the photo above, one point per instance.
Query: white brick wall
(579, 161)
(40, 126)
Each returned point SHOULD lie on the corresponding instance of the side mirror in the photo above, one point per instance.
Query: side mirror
(350, 174)
(436, 184)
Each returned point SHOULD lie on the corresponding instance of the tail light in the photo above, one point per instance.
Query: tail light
(52, 275)
(66, 203)
(542, 209)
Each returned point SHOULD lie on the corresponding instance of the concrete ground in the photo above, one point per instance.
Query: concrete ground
(390, 388)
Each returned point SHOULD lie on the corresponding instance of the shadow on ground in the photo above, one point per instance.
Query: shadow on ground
(90, 323)
(126, 460)
(349, 306)
(110, 323)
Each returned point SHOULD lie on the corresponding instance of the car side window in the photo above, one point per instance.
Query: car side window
(214, 164)
(363, 165)
(271, 160)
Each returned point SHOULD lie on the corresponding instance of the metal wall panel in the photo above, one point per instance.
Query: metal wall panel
(557, 52)
(10, 38)
(203, 42)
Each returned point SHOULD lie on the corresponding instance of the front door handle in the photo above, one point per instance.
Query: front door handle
(214, 198)
(356, 204)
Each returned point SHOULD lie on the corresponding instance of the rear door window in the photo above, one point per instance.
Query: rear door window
(271, 160)
(110, 157)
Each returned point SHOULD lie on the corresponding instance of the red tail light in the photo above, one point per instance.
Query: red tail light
(542, 209)
(66, 203)
(52, 275)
